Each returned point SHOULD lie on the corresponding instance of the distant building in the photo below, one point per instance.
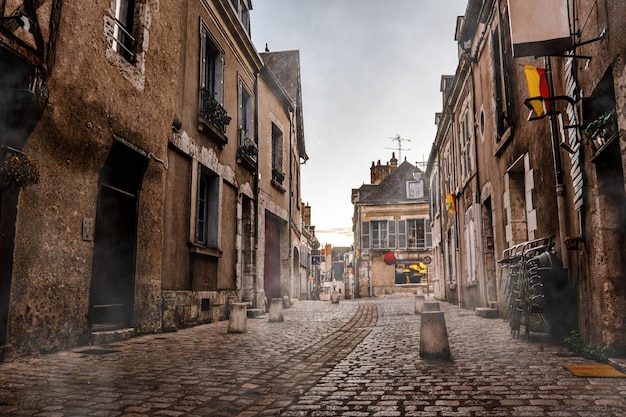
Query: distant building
(392, 229)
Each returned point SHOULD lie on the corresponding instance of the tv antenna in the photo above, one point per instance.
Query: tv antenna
(398, 139)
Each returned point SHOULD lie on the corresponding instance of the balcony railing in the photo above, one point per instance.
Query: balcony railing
(248, 147)
(124, 40)
(213, 111)
(278, 176)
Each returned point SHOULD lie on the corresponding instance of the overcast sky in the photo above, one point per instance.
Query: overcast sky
(371, 70)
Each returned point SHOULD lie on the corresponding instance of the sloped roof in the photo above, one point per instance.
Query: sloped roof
(285, 65)
(393, 189)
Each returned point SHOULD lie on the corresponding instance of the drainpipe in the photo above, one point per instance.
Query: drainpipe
(482, 285)
(456, 211)
(255, 250)
(558, 170)
(291, 111)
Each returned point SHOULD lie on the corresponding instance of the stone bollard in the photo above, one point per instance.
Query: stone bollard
(434, 336)
(419, 303)
(420, 291)
(276, 310)
(286, 301)
(238, 317)
(431, 306)
(334, 297)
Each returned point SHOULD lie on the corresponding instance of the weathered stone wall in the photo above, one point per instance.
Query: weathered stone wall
(91, 100)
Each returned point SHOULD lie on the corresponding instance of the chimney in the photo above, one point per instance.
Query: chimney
(393, 162)
(306, 214)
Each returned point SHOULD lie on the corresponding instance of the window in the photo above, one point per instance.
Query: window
(379, 234)
(278, 174)
(211, 82)
(242, 9)
(365, 235)
(414, 189)
(500, 44)
(470, 241)
(123, 39)
(247, 143)
(465, 140)
(414, 234)
(434, 194)
(207, 219)
(246, 111)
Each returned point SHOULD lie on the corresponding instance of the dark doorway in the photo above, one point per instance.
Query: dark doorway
(113, 277)
(272, 258)
(8, 214)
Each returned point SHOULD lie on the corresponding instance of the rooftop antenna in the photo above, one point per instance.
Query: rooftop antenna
(398, 139)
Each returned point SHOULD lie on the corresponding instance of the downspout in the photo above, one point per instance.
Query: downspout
(441, 239)
(558, 170)
(482, 285)
(291, 111)
(255, 251)
(456, 211)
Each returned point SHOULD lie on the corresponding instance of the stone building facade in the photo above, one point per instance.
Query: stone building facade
(542, 177)
(134, 141)
(392, 230)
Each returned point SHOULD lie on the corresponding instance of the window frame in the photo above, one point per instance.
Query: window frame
(124, 37)
(410, 227)
(207, 208)
(277, 156)
(211, 66)
(465, 144)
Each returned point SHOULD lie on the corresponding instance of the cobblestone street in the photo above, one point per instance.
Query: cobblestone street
(355, 358)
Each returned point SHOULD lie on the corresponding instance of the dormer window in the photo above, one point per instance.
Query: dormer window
(415, 189)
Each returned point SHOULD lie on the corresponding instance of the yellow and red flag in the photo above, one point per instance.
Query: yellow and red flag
(538, 89)
(450, 204)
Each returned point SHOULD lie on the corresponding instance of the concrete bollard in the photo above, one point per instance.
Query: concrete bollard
(434, 336)
(431, 306)
(276, 310)
(420, 291)
(334, 297)
(238, 317)
(419, 303)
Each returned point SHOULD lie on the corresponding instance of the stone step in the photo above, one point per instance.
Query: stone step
(254, 313)
(487, 312)
(109, 336)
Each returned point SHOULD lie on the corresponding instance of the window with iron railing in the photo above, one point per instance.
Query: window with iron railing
(123, 40)
(211, 82)
(248, 147)
(247, 144)
(278, 174)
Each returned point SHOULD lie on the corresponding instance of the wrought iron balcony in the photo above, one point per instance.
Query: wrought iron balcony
(248, 148)
(278, 176)
(212, 111)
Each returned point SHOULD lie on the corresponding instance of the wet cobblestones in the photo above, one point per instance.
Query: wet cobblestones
(355, 358)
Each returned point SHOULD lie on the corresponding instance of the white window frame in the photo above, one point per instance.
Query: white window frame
(408, 237)
(414, 189)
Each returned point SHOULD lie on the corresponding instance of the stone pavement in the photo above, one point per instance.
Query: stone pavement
(355, 358)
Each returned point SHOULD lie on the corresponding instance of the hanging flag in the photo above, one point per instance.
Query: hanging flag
(450, 204)
(538, 89)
